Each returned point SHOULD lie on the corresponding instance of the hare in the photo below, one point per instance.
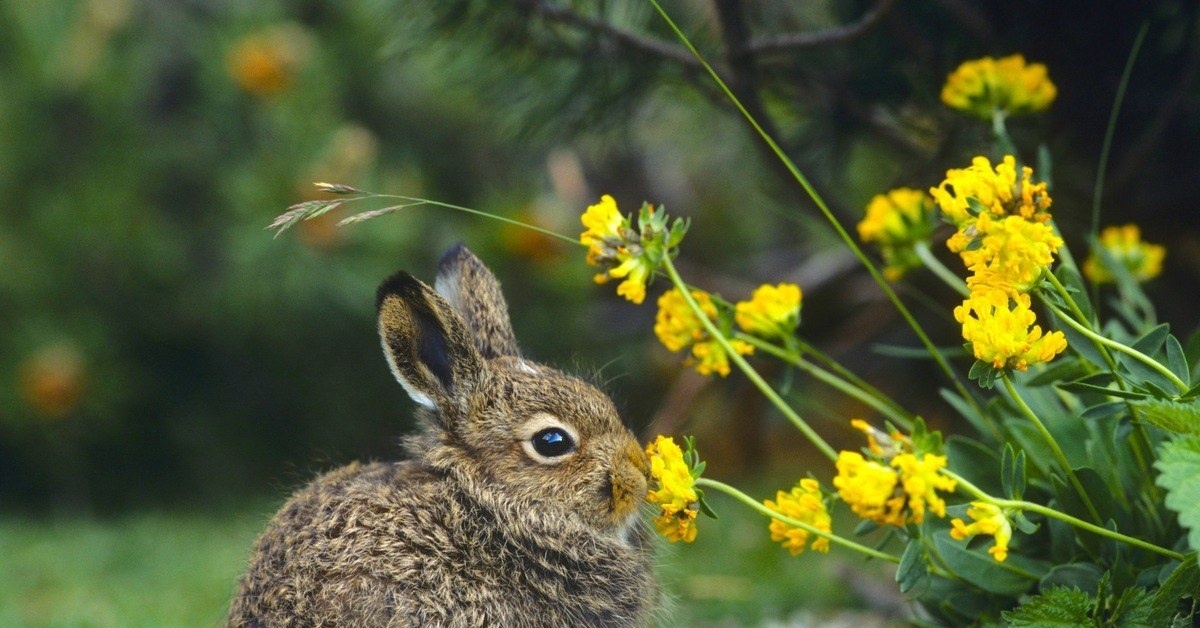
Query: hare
(518, 506)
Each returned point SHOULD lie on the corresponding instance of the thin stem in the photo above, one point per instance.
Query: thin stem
(825, 211)
(1015, 504)
(424, 201)
(1054, 447)
(846, 374)
(934, 264)
(1110, 129)
(1126, 349)
(762, 509)
(881, 405)
(763, 387)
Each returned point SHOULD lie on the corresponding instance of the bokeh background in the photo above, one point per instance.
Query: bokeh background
(169, 371)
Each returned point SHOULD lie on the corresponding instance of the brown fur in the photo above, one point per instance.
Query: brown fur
(473, 530)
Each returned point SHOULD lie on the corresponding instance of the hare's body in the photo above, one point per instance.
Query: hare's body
(377, 561)
(516, 509)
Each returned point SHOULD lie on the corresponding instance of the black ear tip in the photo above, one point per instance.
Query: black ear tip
(455, 255)
(398, 284)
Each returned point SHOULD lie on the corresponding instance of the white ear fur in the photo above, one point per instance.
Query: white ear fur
(419, 397)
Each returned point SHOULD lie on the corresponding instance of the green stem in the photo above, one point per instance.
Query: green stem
(824, 209)
(880, 405)
(1109, 130)
(1015, 504)
(1127, 350)
(807, 349)
(934, 264)
(762, 509)
(765, 388)
(1054, 447)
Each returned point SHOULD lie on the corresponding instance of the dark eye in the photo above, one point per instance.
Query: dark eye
(553, 442)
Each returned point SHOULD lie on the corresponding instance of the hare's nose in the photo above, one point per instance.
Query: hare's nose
(637, 456)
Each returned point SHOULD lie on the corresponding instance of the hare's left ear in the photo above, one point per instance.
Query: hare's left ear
(473, 291)
(428, 346)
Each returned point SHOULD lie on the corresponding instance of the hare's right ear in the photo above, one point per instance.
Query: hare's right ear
(427, 345)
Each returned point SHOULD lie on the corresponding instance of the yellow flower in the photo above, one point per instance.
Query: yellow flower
(869, 488)
(1124, 245)
(678, 328)
(897, 221)
(1000, 327)
(920, 479)
(265, 63)
(988, 519)
(629, 254)
(1010, 252)
(771, 312)
(612, 242)
(999, 190)
(803, 503)
(675, 493)
(1008, 86)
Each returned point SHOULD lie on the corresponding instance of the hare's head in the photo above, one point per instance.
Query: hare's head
(539, 436)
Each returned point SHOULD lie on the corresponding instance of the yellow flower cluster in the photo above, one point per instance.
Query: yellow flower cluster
(675, 493)
(895, 494)
(1125, 246)
(896, 221)
(1007, 86)
(987, 519)
(612, 242)
(1000, 191)
(771, 312)
(803, 503)
(1002, 331)
(1005, 239)
(678, 328)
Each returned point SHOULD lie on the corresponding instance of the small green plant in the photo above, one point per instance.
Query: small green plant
(1075, 500)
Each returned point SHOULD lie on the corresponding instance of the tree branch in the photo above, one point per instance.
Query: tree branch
(841, 34)
(552, 12)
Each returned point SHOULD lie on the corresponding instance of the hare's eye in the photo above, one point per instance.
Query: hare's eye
(553, 442)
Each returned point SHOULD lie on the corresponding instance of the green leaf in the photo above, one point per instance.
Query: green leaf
(1080, 387)
(1133, 609)
(1061, 370)
(1083, 576)
(1070, 279)
(974, 461)
(1179, 472)
(913, 571)
(974, 206)
(1184, 582)
(1177, 360)
(1058, 606)
(1078, 343)
(1013, 576)
(1178, 417)
(1103, 411)
(966, 411)
(1012, 472)
(1153, 340)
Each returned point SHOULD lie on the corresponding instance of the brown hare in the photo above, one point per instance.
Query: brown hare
(517, 508)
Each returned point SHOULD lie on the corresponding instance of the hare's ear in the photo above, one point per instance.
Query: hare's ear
(427, 345)
(473, 291)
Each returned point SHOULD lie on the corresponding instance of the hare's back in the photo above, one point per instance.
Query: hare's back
(352, 535)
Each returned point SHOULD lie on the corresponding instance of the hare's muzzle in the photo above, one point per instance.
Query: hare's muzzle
(630, 477)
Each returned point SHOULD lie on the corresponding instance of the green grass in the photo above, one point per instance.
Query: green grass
(179, 569)
(151, 569)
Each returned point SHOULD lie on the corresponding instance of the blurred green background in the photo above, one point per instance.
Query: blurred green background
(169, 371)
